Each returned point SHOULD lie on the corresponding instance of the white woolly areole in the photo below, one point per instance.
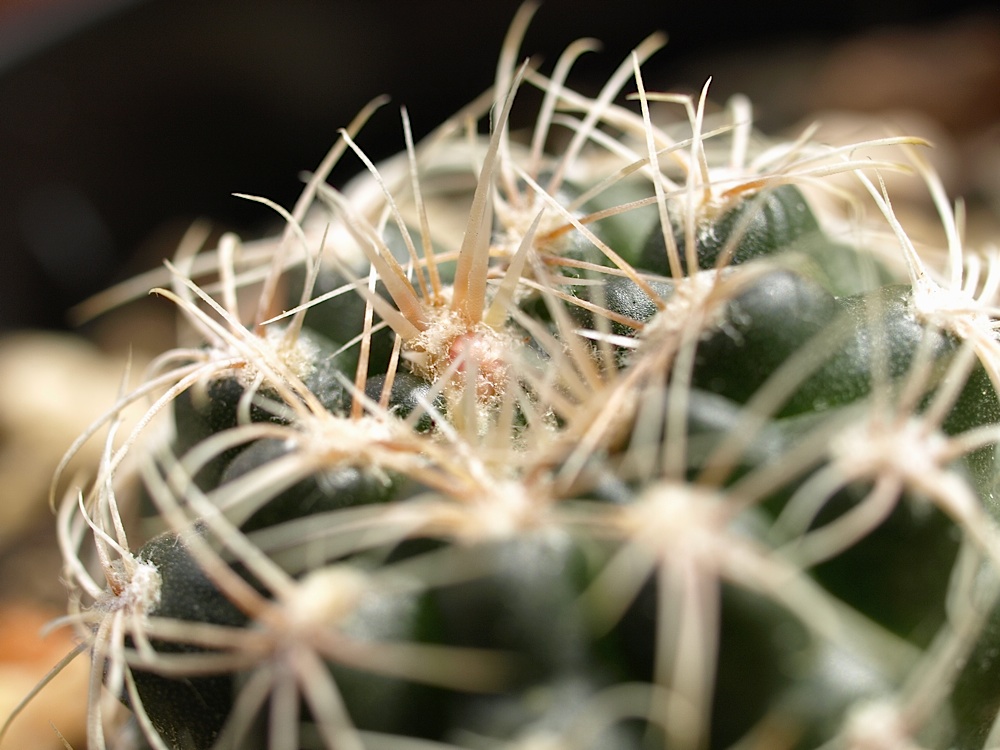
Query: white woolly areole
(143, 591)
(543, 740)
(368, 441)
(326, 596)
(139, 584)
(509, 509)
(907, 448)
(297, 357)
(428, 353)
(679, 517)
(689, 301)
(954, 310)
(516, 221)
(449, 337)
(878, 726)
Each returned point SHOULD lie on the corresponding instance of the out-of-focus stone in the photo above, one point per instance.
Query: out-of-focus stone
(52, 387)
(26, 656)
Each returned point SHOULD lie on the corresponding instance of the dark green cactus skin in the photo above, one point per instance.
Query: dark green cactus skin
(905, 564)
(212, 406)
(341, 318)
(880, 325)
(381, 703)
(622, 296)
(815, 708)
(200, 412)
(532, 580)
(765, 324)
(976, 697)
(341, 487)
(189, 713)
(760, 644)
(404, 397)
(540, 711)
(773, 219)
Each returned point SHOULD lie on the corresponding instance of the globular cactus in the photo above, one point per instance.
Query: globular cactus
(635, 431)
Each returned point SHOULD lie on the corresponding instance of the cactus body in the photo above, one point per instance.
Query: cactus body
(642, 456)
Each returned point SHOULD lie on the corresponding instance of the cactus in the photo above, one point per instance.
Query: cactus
(633, 432)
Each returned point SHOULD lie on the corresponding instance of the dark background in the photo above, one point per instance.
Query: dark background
(122, 121)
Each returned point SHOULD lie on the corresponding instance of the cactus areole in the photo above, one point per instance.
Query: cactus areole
(628, 431)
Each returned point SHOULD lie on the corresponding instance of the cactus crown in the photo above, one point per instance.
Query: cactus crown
(638, 430)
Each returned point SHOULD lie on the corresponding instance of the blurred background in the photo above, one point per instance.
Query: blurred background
(122, 121)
